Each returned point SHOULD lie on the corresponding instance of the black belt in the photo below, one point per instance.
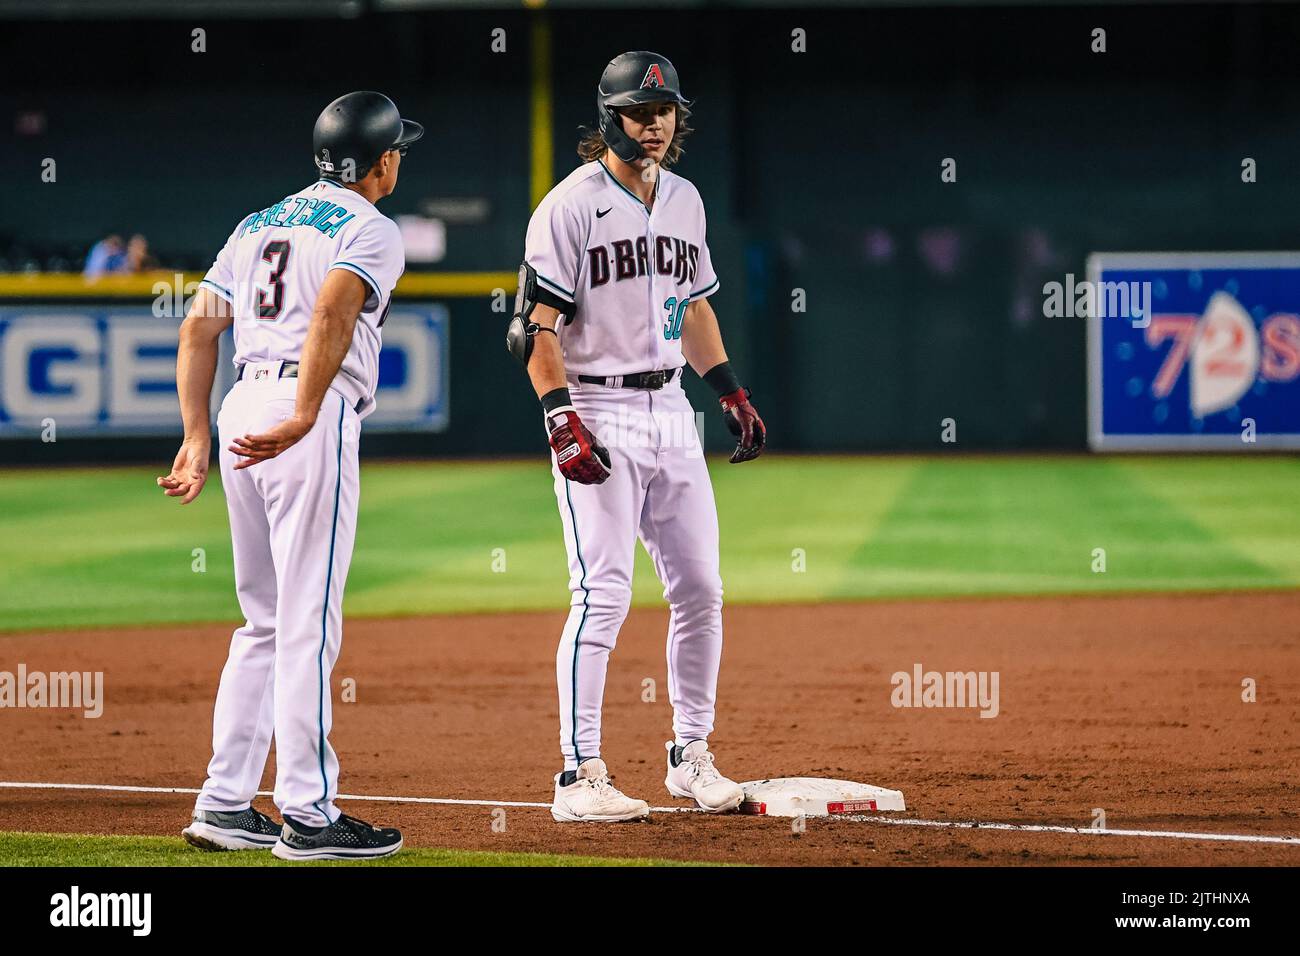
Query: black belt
(649, 380)
(287, 370)
(290, 370)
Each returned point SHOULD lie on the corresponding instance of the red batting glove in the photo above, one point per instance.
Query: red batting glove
(578, 455)
(744, 423)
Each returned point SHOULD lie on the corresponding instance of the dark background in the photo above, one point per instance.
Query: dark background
(820, 172)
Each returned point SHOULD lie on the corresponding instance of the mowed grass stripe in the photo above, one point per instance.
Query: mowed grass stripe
(486, 536)
(1024, 525)
(1246, 503)
(62, 849)
(82, 549)
(826, 507)
(823, 507)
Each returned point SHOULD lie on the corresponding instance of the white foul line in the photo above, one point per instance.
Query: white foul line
(1089, 831)
(445, 801)
(855, 818)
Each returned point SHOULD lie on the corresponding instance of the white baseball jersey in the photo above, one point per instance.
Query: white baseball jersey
(292, 518)
(630, 272)
(272, 267)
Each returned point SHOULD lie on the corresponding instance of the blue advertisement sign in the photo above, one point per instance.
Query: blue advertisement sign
(1211, 361)
(105, 370)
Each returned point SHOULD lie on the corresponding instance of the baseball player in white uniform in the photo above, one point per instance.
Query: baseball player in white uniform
(613, 302)
(307, 283)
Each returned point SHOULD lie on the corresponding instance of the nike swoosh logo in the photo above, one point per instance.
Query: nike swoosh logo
(601, 212)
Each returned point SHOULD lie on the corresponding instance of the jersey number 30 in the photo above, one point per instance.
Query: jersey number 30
(676, 312)
(270, 295)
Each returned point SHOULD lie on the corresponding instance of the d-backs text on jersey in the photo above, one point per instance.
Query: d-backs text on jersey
(630, 258)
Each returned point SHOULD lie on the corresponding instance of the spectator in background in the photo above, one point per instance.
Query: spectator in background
(138, 258)
(106, 257)
(110, 257)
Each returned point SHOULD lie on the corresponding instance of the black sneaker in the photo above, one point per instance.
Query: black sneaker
(347, 838)
(231, 830)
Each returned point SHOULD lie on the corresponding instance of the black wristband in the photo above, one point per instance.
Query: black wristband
(555, 398)
(723, 379)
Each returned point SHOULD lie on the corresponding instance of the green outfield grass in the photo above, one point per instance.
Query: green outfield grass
(78, 849)
(82, 548)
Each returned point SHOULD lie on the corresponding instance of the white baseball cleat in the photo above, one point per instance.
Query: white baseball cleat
(695, 778)
(593, 798)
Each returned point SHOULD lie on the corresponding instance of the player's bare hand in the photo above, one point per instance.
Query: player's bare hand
(254, 448)
(578, 453)
(744, 423)
(189, 471)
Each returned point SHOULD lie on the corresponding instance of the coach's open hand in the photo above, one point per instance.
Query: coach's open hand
(255, 448)
(744, 423)
(189, 471)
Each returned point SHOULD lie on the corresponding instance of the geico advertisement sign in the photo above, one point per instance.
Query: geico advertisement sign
(104, 370)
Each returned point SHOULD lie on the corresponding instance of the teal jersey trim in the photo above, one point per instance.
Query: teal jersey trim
(353, 267)
(707, 290)
(556, 287)
(324, 623)
(222, 289)
(614, 180)
(577, 638)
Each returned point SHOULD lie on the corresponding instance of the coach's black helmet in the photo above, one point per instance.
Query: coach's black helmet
(632, 78)
(355, 130)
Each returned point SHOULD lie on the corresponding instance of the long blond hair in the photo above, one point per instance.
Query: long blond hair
(592, 146)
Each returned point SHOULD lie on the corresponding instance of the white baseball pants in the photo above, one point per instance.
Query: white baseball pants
(659, 491)
(292, 522)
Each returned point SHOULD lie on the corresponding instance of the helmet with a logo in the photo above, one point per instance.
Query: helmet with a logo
(628, 80)
(353, 131)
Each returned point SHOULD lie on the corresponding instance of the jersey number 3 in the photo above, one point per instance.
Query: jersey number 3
(676, 312)
(270, 295)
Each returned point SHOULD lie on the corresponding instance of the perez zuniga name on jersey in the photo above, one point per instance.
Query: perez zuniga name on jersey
(673, 257)
(324, 215)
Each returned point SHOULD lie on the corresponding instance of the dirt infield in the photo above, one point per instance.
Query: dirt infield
(1131, 704)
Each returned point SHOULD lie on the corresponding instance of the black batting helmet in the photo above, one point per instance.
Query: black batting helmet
(631, 78)
(355, 130)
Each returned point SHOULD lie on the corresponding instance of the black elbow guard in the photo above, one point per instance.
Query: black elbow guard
(522, 328)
